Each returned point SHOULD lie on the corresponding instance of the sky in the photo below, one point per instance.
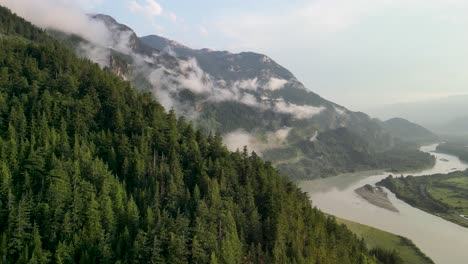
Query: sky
(358, 53)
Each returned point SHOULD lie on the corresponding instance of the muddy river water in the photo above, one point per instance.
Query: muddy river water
(443, 241)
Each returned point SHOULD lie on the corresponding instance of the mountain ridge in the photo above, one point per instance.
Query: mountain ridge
(409, 131)
(93, 171)
(250, 96)
(441, 111)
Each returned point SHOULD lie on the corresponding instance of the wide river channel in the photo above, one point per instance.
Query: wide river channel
(443, 241)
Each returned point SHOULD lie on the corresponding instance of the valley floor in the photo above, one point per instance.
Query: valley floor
(408, 251)
(444, 195)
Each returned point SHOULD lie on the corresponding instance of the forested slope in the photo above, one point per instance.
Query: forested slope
(409, 132)
(249, 95)
(93, 172)
(455, 147)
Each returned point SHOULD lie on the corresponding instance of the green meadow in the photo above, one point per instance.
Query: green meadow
(374, 237)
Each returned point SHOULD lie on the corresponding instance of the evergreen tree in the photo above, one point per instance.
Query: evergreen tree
(92, 171)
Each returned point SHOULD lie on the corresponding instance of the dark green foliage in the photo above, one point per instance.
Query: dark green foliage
(414, 191)
(455, 147)
(445, 195)
(408, 131)
(387, 256)
(347, 141)
(405, 159)
(93, 172)
(340, 151)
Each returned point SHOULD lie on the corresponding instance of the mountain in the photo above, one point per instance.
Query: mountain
(439, 115)
(92, 171)
(252, 101)
(457, 147)
(408, 131)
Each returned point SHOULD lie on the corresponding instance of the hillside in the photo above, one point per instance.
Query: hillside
(408, 251)
(433, 114)
(455, 147)
(93, 172)
(252, 101)
(408, 131)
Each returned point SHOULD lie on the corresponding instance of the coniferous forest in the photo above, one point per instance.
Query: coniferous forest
(93, 172)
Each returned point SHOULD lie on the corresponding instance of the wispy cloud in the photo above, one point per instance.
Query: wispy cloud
(150, 8)
(309, 22)
(315, 18)
(172, 16)
(63, 15)
(344, 49)
(236, 140)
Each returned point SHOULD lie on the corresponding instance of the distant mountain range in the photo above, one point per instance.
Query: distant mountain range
(250, 99)
(408, 131)
(443, 116)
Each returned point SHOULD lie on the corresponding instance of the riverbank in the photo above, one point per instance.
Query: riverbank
(443, 195)
(336, 196)
(407, 250)
(458, 149)
(376, 196)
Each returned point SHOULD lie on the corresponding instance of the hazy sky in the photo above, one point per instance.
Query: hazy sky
(358, 53)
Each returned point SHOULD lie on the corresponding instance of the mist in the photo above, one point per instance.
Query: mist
(440, 115)
(168, 74)
(61, 15)
(240, 138)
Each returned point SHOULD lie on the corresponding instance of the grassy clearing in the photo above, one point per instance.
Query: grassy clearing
(444, 195)
(408, 251)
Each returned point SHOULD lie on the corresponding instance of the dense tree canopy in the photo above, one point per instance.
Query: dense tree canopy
(93, 172)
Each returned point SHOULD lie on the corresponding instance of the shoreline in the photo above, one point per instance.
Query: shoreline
(376, 196)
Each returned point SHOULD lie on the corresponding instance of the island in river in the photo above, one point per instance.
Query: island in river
(337, 196)
(376, 196)
(444, 195)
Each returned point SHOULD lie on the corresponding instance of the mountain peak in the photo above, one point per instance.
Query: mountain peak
(409, 131)
(250, 95)
(123, 37)
(162, 42)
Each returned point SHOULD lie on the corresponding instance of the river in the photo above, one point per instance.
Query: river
(443, 241)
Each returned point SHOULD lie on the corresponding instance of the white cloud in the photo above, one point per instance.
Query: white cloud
(172, 17)
(340, 111)
(298, 111)
(98, 54)
(193, 77)
(248, 84)
(280, 135)
(166, 82)
(63, 15)
(311, 22)
(342, 49)
(150, 9)
(249, 99)
(240, 138)
(316, 18)
(189, 75)
(276, 84)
